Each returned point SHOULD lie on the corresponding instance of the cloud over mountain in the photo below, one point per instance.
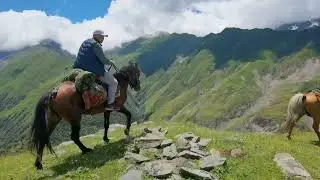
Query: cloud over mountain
(128, 19)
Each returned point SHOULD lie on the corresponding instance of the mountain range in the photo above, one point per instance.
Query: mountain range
(301, 25)
(238, 80)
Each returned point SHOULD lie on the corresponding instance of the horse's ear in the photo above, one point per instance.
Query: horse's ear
(137, 66)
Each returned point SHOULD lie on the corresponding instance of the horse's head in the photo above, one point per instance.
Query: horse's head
(133, 73)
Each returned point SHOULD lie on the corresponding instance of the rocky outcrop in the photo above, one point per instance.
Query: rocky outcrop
(186, 156)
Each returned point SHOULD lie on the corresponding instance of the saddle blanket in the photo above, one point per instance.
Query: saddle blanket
(93, 94)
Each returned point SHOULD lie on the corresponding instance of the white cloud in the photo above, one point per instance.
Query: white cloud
(128, 19)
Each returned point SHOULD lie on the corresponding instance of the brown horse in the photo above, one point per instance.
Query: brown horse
(67, 104)
(299, 105)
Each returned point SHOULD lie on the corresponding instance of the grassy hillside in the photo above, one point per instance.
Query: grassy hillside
(106, 161)
(193, 90)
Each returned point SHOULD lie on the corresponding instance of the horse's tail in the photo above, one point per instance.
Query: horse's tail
(295, 110)
(39, 130)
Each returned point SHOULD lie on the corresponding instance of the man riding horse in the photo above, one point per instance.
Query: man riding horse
(91, 58)
(66, 102)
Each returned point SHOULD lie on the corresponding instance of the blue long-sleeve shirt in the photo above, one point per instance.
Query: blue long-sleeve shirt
(99, 53)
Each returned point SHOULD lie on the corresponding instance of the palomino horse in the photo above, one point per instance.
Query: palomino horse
(299, 105)
(67, 104)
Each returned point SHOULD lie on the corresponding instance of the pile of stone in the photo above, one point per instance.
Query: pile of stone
(154, 155)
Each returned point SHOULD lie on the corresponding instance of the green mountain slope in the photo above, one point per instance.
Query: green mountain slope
(26, 76)
(232, 98)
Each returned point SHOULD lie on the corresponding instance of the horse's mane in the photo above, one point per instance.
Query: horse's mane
(122, 74)
(126, 71)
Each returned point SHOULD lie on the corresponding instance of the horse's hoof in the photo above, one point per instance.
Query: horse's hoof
(87, 150)
(126, 132)
(38, 166)
(106, 139)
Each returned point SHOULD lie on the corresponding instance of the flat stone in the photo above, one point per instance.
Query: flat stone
(182, 144)
(157, 131)
(166, 142)
(195, 145)
(190, 155)
(170, 152)
(196, 173)
(151, 137)
(195, 139)
(204, 142)
(198, 151)
(159, 169)
(135, 158)
(132, 175)
(149, 130)
(210, 162)
(188, 136)
(182, 162)
(148, 144)
(292, 168)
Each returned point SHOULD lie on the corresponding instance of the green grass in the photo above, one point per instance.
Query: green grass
(106, 161)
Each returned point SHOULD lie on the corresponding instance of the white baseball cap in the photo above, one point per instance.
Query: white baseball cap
(99, 32)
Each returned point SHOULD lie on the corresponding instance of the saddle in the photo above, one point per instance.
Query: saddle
(92, 89)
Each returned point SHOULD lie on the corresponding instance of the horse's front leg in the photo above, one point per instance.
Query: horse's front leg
(316, 122)
(128, 115)
(106, 125)
(75, 136)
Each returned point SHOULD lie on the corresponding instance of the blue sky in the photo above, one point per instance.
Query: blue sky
(75, 10)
